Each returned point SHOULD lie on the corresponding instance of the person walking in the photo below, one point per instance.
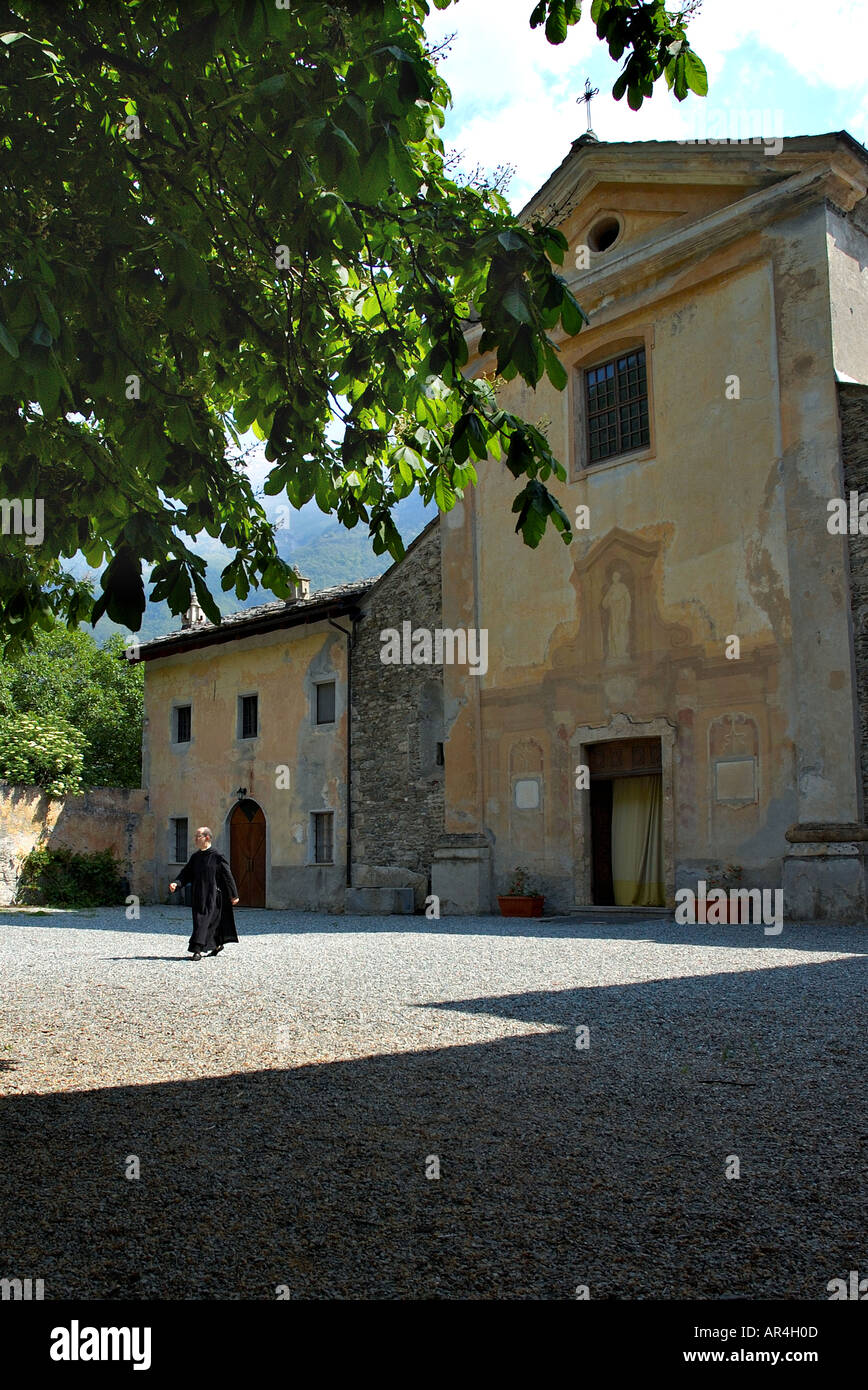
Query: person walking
(214, 895)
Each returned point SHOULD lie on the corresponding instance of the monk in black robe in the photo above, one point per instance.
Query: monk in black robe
(214, 896)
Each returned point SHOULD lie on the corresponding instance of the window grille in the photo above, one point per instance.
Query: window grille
(179, 828)
(616, 397)
(183, 723)
(249, 716)
(323, 837)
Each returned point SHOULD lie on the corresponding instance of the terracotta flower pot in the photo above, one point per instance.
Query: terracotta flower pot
(728, 912)
(521, 904)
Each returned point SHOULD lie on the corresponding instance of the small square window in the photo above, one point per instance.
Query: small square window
(325, 703)
(323, 837)
(248, 716)
(183, 723)
(179, 838)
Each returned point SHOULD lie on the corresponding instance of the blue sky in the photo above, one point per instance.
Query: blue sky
(801, 62)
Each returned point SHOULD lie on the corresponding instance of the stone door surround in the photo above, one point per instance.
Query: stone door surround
(621, 726)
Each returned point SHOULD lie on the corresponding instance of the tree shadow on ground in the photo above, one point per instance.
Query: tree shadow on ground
(558, 1166)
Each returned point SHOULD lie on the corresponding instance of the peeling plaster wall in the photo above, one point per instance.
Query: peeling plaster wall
(114, 818)
(854, 439)
(199, 779)
(682, 497)
(848, 287)
(397, 786)
(828, 784)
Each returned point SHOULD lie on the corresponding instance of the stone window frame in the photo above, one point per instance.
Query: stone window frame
(240, 736)
(173, 725)
(312, 859)
(613, 345)
(327, 724)
(173, 839)
(426, 754)
(621, 726)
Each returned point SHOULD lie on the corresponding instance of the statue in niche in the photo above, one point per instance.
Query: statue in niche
(616, 602)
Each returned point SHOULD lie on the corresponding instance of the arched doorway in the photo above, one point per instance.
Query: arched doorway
(247, 852)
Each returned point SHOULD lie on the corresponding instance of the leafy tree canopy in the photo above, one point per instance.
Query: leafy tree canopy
(227, 215)
(36, 754)
(64, 680)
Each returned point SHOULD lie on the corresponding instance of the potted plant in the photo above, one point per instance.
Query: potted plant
(722, 876)
(520, 901)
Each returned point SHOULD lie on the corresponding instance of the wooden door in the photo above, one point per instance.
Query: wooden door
(625, 757)
(247, 852)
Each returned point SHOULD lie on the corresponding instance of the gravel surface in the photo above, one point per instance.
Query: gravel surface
(284, 1099)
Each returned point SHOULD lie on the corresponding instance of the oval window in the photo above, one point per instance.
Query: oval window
(604, 233)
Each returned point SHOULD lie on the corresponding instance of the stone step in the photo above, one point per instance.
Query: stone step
(378, 901)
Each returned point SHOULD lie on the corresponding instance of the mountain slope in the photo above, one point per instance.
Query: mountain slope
(323, 550)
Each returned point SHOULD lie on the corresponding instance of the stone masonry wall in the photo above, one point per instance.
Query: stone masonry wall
(397, 723)
(853, 405)
(114, 818)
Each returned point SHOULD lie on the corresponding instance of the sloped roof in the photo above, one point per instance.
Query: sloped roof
(268, 617)
(589, 160)
(265, 617)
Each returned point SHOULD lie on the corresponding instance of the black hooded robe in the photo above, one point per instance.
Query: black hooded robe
(213, 891)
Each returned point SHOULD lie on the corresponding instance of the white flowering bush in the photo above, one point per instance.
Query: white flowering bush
(36, 754)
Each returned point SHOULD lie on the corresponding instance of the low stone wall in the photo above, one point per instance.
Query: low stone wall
(115, 818)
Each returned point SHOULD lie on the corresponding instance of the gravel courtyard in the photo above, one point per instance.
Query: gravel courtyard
(286, 1099)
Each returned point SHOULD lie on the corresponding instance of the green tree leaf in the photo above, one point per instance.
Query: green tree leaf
(281, 249)
(695, 73)
(8, 342)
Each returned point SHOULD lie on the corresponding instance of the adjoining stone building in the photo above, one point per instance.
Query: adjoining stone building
(279, 730)
(397, 737)
(683, 679)
(246, 732)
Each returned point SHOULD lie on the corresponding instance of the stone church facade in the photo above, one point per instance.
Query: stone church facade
(690, 674)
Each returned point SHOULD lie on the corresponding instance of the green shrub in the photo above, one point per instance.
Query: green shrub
(63, 878)
(65, 680)
(36, 754)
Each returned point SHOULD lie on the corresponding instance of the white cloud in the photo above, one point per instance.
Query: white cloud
(515, 94)
(823, 42)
